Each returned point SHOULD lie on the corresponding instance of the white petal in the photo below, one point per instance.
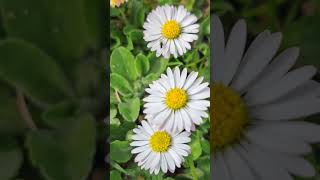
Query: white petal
(256, 62)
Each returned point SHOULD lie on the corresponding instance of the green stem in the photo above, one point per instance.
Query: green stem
(123, 15)
(193, 169)
(24, 111)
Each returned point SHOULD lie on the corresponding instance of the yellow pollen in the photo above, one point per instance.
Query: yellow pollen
(171, 29)
(176, 98)
(160, 141)
(229, 117)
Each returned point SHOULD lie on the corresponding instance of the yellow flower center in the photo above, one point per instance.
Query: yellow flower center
(160, 141)
(116, 3)
(229, 117)
(171, 29)
(176, 98)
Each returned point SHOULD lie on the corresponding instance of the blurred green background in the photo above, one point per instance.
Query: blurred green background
(53, 89)
(298, 20)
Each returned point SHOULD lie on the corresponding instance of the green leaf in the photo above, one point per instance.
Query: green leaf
(59, 27)
(138, 13)
(120, 151)
(196, 149)
(113, 113)
(130, 109)
(142, 65)
(70, 158)
(119, 83)
(115, 175)
(34, 72)
(149, 78)
(135, 35)
(122, 62)
(158, 65)
(192, 57)
(10, 157)
(205, 146)
(120, 133)
(205, 26)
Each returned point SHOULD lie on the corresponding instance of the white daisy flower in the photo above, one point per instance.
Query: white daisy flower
(257, 100)
(170, 30)
(157, 149)
(177, 101)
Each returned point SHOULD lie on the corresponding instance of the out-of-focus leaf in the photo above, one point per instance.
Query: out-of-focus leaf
(64, 154)
(115, 175)
(89, 81)
(306, 38)
(130, 109)
(142, 64)
(120, 83)
(34, 72)
(59, 115)
(59, 27)
(10, 157)
(96, 18)
(120, 151)
(10, 119)
(122, 62)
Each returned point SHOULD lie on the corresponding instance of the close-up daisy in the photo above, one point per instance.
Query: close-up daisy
(117, 3)
(159, 149)
(177, 101)
(257, 106)
(169, 30)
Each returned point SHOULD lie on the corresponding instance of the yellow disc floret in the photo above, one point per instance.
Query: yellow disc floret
(171, 29)
(176, 98)
(229, 117)
(160, 141)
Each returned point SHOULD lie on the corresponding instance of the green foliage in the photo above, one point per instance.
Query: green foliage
(130, 110)
(64, 24)
(122, 62)
(46, 84)
(60, 154)
(120, 151)
(10, 156)
(133, 67)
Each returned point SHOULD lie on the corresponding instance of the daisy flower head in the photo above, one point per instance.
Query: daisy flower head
(159, 149)
(177, 100)
(255, 98)
(117, 3)
(169, 30)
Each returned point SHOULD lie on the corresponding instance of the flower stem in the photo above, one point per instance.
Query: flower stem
(23, 109)
(193, 169)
